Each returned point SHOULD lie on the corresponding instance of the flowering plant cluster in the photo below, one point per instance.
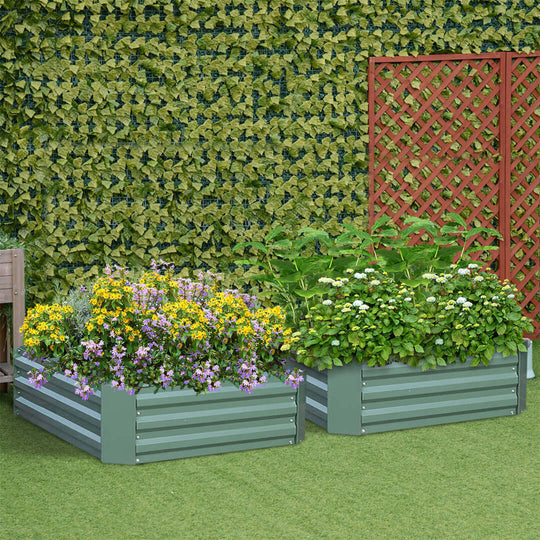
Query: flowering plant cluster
(370, 317)
(160, 331)
(292, 267)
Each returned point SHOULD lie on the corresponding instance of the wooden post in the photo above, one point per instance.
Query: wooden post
(12, 292)
(18, 296)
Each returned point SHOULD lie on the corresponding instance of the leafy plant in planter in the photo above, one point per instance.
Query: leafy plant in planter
(293, 267)
(371, 339)
(369, 317)
(158, 331)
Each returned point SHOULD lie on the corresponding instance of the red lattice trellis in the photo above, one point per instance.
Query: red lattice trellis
(461, 133)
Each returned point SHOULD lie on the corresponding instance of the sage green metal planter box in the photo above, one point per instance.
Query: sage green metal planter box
(355, 399)
(118, 428)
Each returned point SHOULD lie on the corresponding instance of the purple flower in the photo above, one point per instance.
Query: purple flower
(37, 378)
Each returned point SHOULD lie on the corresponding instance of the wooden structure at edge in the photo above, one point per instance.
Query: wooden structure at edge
(12, 292)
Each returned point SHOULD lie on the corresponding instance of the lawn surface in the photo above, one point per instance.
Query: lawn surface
(469, 480)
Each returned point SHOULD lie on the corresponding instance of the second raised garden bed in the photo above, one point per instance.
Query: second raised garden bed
(355, 399)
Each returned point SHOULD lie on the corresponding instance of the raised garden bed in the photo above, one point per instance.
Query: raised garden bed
(129, 429)
(355, 399)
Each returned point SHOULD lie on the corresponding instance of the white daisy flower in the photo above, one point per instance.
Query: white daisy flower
(431, 299)
(327, 302)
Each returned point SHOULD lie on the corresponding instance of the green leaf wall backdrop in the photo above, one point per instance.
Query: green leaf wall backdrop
(132, 129)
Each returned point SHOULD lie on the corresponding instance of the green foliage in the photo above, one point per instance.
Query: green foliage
(80, 313)
(443, 245)
(138, 129)
(369, 317)
(294, 269)
(7, 242)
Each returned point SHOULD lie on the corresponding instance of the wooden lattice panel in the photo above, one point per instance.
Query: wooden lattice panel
(435, 126)
(458, 133)
(525, 180)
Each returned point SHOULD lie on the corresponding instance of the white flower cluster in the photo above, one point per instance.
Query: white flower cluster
(359, 275)
(463, 271)
(339, 282)
(463, 302)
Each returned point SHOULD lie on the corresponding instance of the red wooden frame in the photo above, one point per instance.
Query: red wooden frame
(435, 124)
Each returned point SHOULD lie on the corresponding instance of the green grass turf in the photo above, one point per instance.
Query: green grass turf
(467, 480)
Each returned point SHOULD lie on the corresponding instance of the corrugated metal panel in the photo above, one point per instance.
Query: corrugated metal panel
(316, 394)
(177, 423)
(357, 399)
(523, 360)
(60, 426)
(210, 450)
(399, 396)
(56, 408)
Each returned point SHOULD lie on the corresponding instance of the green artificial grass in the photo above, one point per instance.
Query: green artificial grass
(473, 480)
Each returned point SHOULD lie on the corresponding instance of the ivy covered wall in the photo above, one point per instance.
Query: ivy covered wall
(132, 129)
